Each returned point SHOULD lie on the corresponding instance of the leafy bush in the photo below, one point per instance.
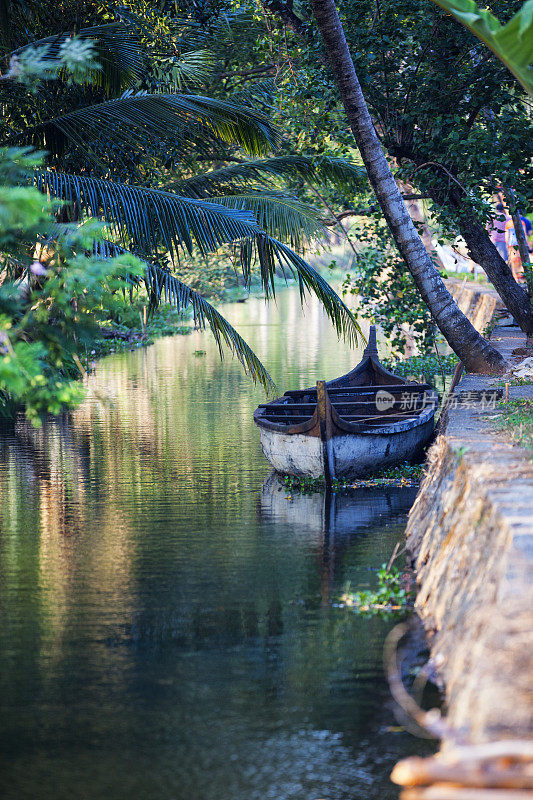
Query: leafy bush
(54, 296)
(426, 365)
(386, 292)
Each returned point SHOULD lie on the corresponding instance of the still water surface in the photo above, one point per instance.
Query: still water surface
(167, 621)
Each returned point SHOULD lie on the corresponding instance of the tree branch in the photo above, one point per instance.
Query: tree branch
(287, 16)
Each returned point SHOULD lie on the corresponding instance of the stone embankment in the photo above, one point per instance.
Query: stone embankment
(470, 533)
(470, 536)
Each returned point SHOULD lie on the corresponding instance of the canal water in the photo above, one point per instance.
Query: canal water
(168, 618)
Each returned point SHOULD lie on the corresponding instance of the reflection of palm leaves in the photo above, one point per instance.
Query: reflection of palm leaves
(161, 284)
(308, 280)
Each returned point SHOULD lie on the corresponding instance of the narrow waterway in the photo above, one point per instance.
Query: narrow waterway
(168, 628)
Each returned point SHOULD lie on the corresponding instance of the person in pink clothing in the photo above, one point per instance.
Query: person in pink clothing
(496, 230)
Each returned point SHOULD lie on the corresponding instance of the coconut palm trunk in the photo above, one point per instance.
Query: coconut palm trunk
(476, 353)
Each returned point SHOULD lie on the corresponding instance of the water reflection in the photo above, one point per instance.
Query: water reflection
(334, 521)
(165, 631)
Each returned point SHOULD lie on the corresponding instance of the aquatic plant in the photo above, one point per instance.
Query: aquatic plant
(389, 597)
(403, 475)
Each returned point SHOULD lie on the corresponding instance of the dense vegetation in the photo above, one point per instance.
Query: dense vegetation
(208, 140)
(123, 140)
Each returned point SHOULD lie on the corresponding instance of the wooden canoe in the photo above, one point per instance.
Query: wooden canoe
(350, 426)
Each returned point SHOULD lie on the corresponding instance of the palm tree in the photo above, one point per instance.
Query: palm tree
(125, 149)
(476, 353)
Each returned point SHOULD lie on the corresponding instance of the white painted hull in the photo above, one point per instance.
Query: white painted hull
(354, 454)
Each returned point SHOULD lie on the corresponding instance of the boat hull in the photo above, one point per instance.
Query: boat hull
(354, 454)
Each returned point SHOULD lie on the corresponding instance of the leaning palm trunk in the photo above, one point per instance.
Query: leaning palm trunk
(476, 353)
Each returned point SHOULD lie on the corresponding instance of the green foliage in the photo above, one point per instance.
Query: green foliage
(124, 139)
(454, 122)
(385, 291)
(512, 43)
(427, 365)
(50, 309)
(389, 597)
(42, 61)
(335, 172)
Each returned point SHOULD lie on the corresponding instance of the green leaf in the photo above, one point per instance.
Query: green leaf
(118, 52)
(526, 18)
(144, 219)
(338, 172)
(280, 216)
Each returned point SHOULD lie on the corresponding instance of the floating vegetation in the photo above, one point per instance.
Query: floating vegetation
(404, 475)
(390, 597)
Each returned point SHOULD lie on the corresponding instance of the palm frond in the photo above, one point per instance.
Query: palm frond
(179, 294)
(117, 51)
(16, 15)
(144, 219)
(279, 215)
(257, 92)
(273, 252)
(138, 121)
(175, 73)
(233, 27)
(336, 171)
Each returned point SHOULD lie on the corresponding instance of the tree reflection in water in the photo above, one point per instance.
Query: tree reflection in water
(166, 625)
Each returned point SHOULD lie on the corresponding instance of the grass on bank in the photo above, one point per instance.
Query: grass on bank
(137, 328)
(515, 420)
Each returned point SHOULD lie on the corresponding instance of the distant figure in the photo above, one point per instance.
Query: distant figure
(529, 231)
(496, 230)
(515, 262)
